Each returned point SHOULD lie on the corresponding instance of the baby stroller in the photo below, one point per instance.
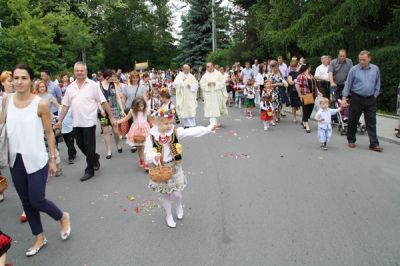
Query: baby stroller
(342, 118)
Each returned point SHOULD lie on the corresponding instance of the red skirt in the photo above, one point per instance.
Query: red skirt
(266, 115)
(5, 243)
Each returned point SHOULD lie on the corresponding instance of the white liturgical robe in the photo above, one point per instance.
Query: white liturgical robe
(215, 94)
(186, 87)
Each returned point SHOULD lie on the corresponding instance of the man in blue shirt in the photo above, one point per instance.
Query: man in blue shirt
(362, 86)
(53, 89)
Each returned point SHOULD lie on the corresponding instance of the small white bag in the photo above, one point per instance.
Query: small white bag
(3, 135)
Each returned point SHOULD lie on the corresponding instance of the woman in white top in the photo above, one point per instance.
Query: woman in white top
(29, 161)
(5, 88)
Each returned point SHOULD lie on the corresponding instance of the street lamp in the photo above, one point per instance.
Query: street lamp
(214, 36)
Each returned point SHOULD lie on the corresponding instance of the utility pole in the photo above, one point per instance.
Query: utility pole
(84, 55)
(214, 34)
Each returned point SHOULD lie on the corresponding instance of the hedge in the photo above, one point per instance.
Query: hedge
(387, 59)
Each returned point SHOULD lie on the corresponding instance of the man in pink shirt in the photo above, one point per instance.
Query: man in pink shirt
(83, 96)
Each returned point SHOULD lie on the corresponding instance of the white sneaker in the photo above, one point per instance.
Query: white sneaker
(265, 128)
(170, 222)
(179, 212)
(1, 197)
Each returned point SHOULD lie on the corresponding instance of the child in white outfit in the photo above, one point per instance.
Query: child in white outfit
(323, 116)
(163, 147)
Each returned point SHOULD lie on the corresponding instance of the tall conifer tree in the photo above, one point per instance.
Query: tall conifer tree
(196, 42)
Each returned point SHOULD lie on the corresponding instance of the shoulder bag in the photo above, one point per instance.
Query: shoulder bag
(3, 135)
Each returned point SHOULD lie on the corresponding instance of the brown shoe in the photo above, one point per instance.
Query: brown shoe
(376, 148)
(351, 145)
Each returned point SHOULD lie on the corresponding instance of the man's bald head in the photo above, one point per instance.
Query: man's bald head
(186, 69)
(210, 67)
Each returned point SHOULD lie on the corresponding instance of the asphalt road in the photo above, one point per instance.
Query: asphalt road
(253, 198)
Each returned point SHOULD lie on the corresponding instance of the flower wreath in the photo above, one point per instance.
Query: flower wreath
(162, 112)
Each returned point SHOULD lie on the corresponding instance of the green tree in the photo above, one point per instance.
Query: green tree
(196, 42)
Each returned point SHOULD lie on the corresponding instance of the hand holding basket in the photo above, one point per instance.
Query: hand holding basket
(161, 173)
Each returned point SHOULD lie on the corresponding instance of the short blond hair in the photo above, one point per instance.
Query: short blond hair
(365, 52)
(324, 100)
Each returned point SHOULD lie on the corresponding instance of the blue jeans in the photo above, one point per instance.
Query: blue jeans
(324, 133)
(31, 190)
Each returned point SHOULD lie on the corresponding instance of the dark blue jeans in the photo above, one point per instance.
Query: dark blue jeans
(31, 190)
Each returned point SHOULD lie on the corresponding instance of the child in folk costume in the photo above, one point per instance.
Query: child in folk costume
(324, 116)
(167, 104)
(165, 98)
(266, 110)
(274, 92)
(140, 128)
(163, 147)
(249, 93)
(267, 87)
(154, 102)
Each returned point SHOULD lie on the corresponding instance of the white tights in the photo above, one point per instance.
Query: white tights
(177, 196)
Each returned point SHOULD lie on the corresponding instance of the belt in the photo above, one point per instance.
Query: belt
(362, 96)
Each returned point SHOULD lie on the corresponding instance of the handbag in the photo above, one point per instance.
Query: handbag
(308, 99)
(3, 183)
(139, 136)
(3, 135)
(285, 83)
(124, 128)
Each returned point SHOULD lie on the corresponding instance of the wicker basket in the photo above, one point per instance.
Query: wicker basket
(161, 173)
(139, 139)
(3, 184)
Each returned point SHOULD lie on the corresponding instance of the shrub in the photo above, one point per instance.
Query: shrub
(387, 59)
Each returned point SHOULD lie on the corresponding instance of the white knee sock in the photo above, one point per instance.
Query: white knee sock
(179, 206)
(167, 206)
(178, 198)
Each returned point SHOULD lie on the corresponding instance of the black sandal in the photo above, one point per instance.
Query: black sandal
(397, 132)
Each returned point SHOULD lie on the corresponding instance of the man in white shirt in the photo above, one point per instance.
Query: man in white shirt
(247, 73)
(83, 96)
(283, 67)
(322, 76)
(255, 67)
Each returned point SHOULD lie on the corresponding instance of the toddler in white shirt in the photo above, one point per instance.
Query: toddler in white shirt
(323, 116)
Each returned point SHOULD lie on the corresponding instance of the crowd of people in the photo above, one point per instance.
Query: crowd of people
(144, 107)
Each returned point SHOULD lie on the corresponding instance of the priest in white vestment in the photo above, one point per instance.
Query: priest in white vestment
(215, 95)
(186, 87)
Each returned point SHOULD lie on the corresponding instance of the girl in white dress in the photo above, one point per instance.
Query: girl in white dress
(163, 147)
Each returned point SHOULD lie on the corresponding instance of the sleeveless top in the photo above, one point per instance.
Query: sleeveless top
(25, 135)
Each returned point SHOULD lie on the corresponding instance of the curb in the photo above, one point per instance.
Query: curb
(393, 140)
(388, 116)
